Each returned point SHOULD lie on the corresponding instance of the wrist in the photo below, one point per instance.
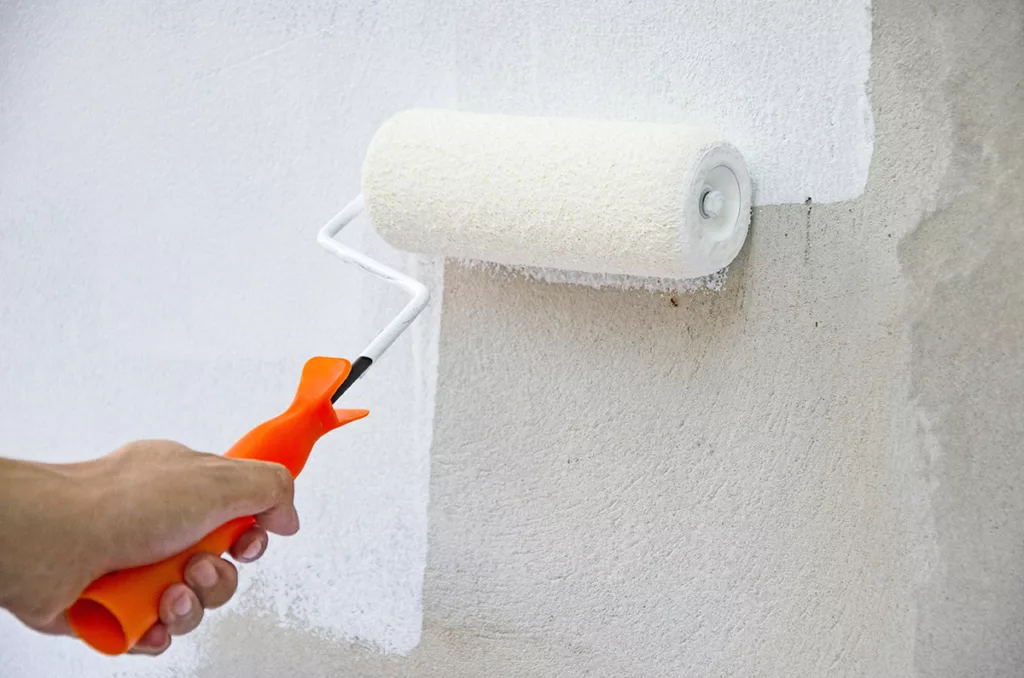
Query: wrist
(45, 529)
(85, 512)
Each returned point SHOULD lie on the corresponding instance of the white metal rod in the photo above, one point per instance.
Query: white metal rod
(418, 291)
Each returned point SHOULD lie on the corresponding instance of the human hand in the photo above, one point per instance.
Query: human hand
(138, 505)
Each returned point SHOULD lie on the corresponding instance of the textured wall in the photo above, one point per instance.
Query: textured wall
(964, 265)
(812, 472)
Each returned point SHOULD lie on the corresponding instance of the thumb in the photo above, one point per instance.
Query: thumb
(262, 489)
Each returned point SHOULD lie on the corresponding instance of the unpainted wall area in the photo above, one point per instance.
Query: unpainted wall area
(814, 472)
(964, 263)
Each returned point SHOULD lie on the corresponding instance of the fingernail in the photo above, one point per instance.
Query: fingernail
(204, 574)
(182, 605)
(252, 550)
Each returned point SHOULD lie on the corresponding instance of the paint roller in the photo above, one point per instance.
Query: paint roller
(640, 199)
(667, 201)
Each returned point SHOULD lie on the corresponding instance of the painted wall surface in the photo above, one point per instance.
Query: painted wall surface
(813, 471)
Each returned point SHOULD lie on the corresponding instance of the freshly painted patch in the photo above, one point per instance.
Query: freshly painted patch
(784, 80)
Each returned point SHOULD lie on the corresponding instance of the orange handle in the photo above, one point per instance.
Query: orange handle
(115, 611)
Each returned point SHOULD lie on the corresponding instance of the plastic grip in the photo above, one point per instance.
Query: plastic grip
(114, 612)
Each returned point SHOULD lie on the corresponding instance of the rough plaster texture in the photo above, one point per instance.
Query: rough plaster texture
(813, 472)
(964, 263)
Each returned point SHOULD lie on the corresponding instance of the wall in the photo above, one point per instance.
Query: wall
(164, 172)
(809, 472)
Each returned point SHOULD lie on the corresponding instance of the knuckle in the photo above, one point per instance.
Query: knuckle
(219, 593)
(201, 572)
(175, 447)
(226, 586)
(230, 573)
(178, 620)
(283, 481)
(188, 623)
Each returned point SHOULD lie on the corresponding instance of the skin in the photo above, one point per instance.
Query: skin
(64, 525)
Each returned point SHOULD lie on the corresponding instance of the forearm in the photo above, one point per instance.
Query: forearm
(43, 516)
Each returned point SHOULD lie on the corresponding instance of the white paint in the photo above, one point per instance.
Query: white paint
(785, 80)
(711, 282)
(163, 170)
(161, 277)
(575, 194)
